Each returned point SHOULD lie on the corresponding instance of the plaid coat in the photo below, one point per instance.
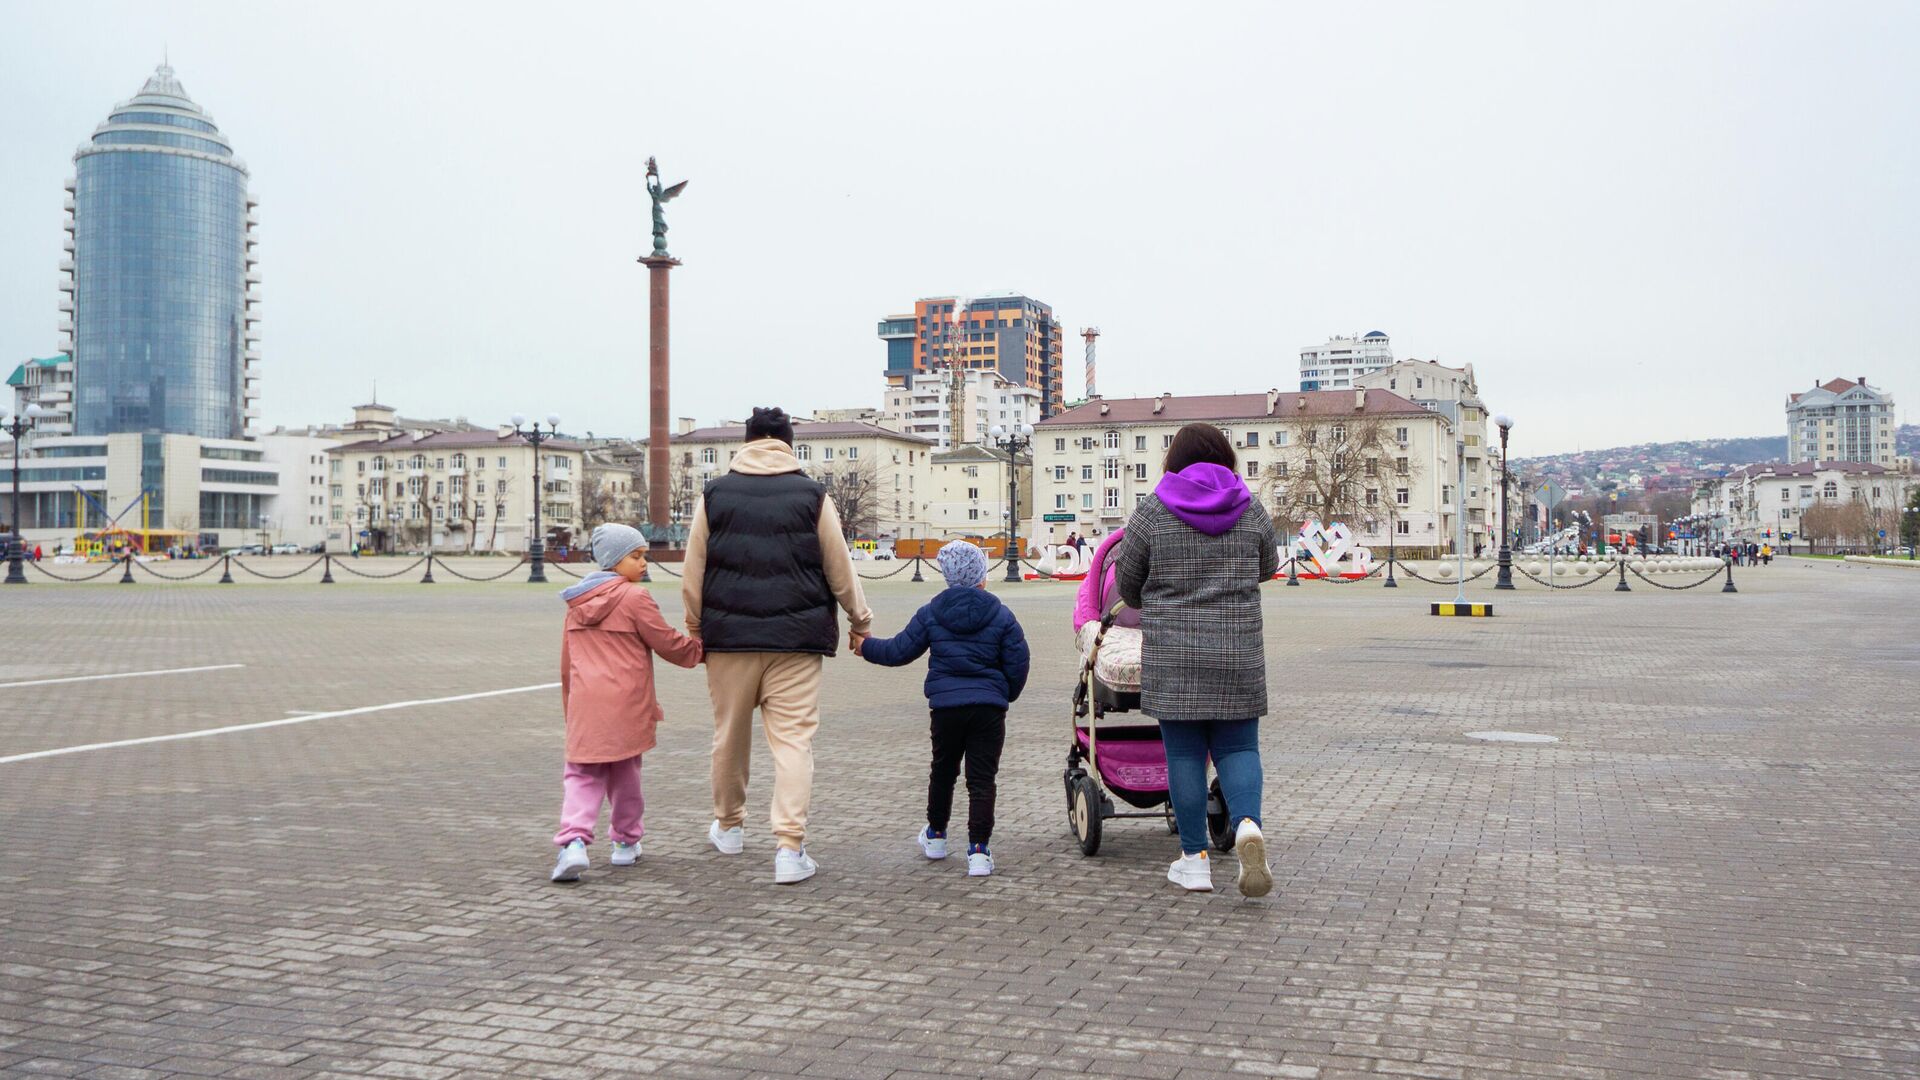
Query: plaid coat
(1199, 601)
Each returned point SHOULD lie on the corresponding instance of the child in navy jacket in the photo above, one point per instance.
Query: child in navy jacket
(978, 668)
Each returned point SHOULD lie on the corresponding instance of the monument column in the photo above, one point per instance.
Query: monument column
(659, 370)
(660, 416)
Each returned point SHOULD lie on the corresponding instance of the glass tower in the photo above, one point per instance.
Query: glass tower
(158, 308)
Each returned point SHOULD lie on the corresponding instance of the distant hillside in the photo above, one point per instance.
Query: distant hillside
(1671, 464)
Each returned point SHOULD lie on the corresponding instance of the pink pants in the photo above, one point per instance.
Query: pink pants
(616, 782)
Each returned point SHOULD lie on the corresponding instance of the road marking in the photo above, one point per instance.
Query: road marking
(204, 732)
(120, 675)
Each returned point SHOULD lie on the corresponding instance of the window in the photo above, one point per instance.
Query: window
(379, 464)
(1112, 440)
(1280, 438)
(1111, 470)
(1400, 436)
(1280, 469)
(1253, 438)
(1166, 441)
(973, 513)
(1140, 470)
(1400, 497)
(1112, 499)
(1400, 466)
(1313, 436)
(972, 492)
(1401, 527)
(1086, 500)
(1785, 495)
(503, 462)
(417, 461)
(479, 487)
(439, 487)
(439, 463)
(1139, 442)
(1059, 444)
(1446, 493)
(1059, 502)
(853, 453)
(1373, 496)
(826, 453)
(1059, 472)
(1830, 491)
(1253, 468)
(1086, 472)
(709, 456)
(459, 461)
(804, 452)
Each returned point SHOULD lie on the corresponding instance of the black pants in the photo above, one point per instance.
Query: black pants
(976, 732)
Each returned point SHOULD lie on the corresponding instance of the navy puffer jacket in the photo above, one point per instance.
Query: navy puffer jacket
(979, 651)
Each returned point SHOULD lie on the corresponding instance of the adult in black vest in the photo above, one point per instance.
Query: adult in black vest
(766, 567)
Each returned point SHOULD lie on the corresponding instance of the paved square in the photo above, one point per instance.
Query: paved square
(1713, 873)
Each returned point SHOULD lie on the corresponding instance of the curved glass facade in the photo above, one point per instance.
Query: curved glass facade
(160, 289)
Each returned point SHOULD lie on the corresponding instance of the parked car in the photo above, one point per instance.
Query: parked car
(247, 549)
(287, 549)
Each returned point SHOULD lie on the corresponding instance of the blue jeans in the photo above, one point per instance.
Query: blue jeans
(1234, 746)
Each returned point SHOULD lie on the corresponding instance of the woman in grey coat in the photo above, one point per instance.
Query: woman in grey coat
(1195, 555)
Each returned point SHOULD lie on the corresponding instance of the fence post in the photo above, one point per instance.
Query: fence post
(916, 569)
(126, 578)
(428, 580)
(1293, 578)
(1622, 587)
(327, 578)
(1728, 587)
(1391, 584)
(226, 569)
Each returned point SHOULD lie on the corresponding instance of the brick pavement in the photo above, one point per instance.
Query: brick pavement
(1712, 874)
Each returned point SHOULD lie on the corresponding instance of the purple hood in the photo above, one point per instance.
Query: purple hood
(1208, 497)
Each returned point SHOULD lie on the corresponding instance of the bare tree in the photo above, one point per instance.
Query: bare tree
(596, 504)
(501, 489)
(1343, 470)
(855, 490)
(1835, 522)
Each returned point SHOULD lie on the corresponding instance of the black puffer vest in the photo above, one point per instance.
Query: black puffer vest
(766, 588)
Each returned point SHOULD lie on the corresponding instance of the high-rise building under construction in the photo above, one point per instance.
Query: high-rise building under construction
(1014, 336)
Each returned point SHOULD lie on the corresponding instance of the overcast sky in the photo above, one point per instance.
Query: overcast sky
(1637, 221)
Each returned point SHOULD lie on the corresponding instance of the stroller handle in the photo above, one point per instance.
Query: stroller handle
(1106, 620)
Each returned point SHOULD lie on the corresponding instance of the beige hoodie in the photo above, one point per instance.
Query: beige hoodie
(770, 457)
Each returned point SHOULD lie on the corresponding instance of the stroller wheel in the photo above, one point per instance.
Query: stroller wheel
(1217, 818)
(1173, 826)
(1084, 814)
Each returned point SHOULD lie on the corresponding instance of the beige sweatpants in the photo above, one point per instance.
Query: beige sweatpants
(786, 689)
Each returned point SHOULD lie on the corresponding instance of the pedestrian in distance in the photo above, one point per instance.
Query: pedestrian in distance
(976, 668)
(767, 565)
(613, 631)
(1195, 554)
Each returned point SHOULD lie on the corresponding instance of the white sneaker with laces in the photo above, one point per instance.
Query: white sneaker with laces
(726, 841)
(625, 854)
(979, 864)
(933, 847)
(1256, 877)
(573, 859)
(790, 866)
(1193, 873)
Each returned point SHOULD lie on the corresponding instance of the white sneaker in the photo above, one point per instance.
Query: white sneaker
(933, 847)
(1256, 878)
(726, 841)
(979, 864)
(1192, 872)
(573, 859)
(790, 866)
(625, 854)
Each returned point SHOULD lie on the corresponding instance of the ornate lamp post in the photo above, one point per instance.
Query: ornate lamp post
(1505, 580)
(537, 550)
(16, 546)
(1013, 441)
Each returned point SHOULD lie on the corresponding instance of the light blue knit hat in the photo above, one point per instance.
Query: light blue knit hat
(962, 564)
(613, 541)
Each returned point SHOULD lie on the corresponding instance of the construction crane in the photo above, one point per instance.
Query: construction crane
(1091, 333)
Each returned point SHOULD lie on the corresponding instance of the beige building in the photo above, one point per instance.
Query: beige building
(450, 491)
(1841, 420)
(1768, 502)
(954, 407)
(878, 477)
(967, 493)
(1392, 460)
(1455, 394)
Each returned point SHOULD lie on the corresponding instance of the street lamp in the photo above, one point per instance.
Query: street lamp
(1012, 441)
(537, 550)
(16, 546)
(393, 529)
(1505, 580)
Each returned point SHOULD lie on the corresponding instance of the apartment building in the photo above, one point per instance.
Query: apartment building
(1391, 462)
(967, 493)
(955, 408)
(879, 478)
(1455, 394)
(451, 491)
(1015, 336)
(1769, 501)
(1336, 363)
(1841, 420)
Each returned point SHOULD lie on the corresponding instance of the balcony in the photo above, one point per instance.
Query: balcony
(65, 326)
(252, 356)
(67, 244)
(253, 276)
(67, 203)
(252, 314)
(66, 265)
(254, 296)
(66, 282)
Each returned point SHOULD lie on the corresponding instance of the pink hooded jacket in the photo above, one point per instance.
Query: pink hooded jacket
(1098, 591)
(606, 671)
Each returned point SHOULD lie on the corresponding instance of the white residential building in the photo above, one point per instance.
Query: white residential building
(48, 383)
(1455, 394)
(924, 406)
(450, 491)
(1095, 462)
(857, 461)
(1841, 420)
(1337, 363)
(967, 493)
(1765, 502)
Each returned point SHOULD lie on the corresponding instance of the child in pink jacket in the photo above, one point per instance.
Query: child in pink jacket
(606, 686)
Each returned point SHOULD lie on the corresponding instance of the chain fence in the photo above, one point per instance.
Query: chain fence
(489, 577)
(1594, 580)
(280, 577)
(339, 564)
(102, 572)
(1417, 576)
(1715, 576)
(212, 565)
(562, 567)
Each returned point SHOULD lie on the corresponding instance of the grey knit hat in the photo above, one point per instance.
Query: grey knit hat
(612, 542)
(962, 564)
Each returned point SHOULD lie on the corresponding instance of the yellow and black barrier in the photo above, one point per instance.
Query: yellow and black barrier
(1475, 610)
